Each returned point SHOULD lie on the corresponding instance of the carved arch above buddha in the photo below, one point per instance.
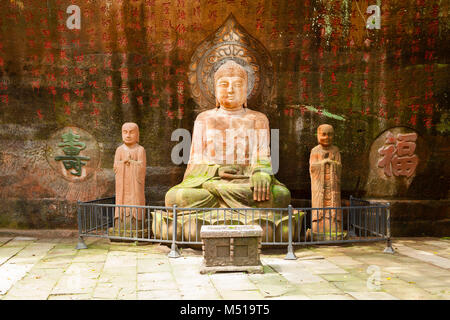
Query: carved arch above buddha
(231, 42)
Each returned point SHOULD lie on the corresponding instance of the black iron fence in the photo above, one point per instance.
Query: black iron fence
(361, 221)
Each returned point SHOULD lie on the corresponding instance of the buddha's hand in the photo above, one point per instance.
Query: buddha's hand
(260, 182)
(128, 160)
(230, 172)
(330, 161)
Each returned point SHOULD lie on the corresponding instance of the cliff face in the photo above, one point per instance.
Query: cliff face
(129, 62)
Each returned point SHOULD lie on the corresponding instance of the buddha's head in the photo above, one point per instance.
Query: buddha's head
(130, 133)
(325, 134)
(230, 83)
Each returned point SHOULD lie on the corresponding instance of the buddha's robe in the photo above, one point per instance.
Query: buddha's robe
(325, 183)
(221, 140)
(130, 178)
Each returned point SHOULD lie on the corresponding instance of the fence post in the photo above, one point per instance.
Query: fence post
(351, 218)
(290, 254)
(174, 253)
(80, 244)
(388, 248)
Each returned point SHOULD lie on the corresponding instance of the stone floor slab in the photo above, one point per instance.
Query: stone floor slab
(74, 284)
(272, 285)
(371, 295)
(26, 294)
(438, 243)
(331, 297)
(240, 294)
(147, 265)
(4, 240)
(91, 255)
(127, 294)
(442, 292)
(424, 256)
(293, 294)
(352, 286)
(113, 261)
(201, 292)
(407, 292)
(70, 297)
(10, 273)
(344, 261)
(193, 281)
(53, 269)
(10, 249)
(292, 271)
(156, 281)
(319, 288)
(232, 281)
(159, 295)
(321, 267)
(106, 291)
(338, 277)
(432, 282)
(125, 272)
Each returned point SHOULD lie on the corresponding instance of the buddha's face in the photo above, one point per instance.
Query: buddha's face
(231, 92)
(130, 134)
(325, 136)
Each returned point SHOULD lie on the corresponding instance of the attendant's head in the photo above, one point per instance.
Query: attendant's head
(325, 133)
(230, 84)
(130, 133)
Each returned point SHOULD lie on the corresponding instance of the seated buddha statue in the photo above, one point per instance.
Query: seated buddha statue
(230, 163)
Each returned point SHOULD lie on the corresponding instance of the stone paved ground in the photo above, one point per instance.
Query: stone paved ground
(50, 269)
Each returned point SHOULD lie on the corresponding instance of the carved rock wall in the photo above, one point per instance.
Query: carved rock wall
(129, 61)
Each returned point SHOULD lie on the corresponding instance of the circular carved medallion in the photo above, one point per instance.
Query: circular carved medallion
(73, 153)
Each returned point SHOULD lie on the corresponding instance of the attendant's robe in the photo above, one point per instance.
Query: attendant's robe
(325, 184)
(130, 178)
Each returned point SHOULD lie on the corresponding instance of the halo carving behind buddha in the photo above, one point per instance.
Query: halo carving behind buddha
(231, 42)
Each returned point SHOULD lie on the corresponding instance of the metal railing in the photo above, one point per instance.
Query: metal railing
(362, 221)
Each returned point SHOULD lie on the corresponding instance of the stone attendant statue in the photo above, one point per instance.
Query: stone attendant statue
(129, 168)
(230, 164)
(325, 170)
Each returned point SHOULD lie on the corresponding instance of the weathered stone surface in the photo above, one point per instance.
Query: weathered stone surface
(156, 281)
(67, 146)
(321, 266)
(230, 231)
(159, 295)
(372, 295)
(394, 163)
(331, 297)
(293, 272)
(424, 256)
(361, 81)
(419, 217)
(271, 284)
(231, 246)
(238, 281)
(248, 269)
(77, 277)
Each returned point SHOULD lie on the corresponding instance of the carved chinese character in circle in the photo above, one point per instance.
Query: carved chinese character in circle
(398, 156)
(72, 147)
(73, 153)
